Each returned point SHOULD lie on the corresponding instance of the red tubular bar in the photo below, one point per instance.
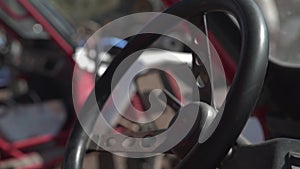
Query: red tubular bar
(32, 141)
(10, 150)
(136, 101)
(169, 2)
(39, 140)
(11, 13)
(228, 63)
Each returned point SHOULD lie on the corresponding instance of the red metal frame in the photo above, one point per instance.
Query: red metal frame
(169, 2)
(11, 13)
(23, 144)
(10, 150)
(15, 150)
(228, 63)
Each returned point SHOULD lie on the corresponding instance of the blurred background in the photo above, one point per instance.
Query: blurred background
(42, 40)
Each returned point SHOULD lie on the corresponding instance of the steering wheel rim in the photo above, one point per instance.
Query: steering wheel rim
(240, 100)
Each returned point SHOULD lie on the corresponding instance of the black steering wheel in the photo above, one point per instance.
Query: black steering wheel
(240, 99)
